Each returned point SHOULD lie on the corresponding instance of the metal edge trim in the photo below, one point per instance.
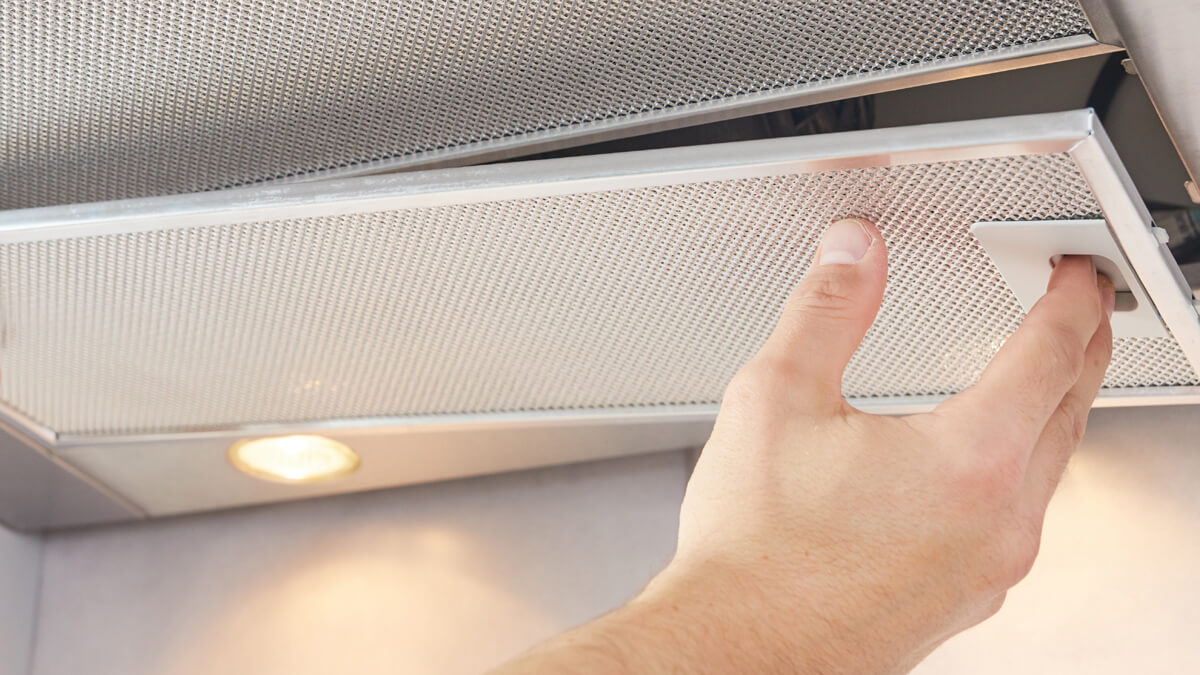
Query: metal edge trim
(22, 436)
(1148, 396)
(400, 425)
(944, 70)
(1156, 86)
(1104, 26)
(1044, 133)
(706, 412)
(1130, 222)
(38, 433)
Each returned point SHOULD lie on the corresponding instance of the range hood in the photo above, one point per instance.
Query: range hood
(464, 321)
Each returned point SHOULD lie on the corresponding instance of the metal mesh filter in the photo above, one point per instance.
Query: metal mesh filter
(634, 297)
(123, 98)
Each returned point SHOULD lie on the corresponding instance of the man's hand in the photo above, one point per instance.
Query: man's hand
(817, 538)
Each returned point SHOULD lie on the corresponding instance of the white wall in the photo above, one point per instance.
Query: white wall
(454, 577)
(1116, 588)
(446, 578)
(20, 571)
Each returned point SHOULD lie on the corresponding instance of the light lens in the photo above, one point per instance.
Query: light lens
(293, 459)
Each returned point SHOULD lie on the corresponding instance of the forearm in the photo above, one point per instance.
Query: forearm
(684, 622)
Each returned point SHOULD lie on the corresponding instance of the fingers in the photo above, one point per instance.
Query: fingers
(829, 312)
(1027, 380)
(1065, 429)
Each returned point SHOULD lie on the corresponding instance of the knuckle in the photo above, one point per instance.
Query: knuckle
(764, 378)
(987, 607)
(991, 474)
(1103, 355)
(766, 370)
(743, 387)
(1018, 551)
(993, 607)
(824, 297)
(1063, 353)
(775, 370)
(1008, 558)
(1071, 424)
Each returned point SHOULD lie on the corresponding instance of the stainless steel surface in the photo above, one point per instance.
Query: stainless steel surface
(39, 490)
(952, 68)
(122, 98)
(173, 474)
(182, 474)
(1160, 36)
(1104, 28)
(1151, 259)
(911, 180)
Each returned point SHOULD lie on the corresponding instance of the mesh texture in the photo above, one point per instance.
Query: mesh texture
(638, 297)
(124, 98)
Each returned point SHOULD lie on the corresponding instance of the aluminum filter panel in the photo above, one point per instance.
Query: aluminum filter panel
(128, 98)
(543, 286)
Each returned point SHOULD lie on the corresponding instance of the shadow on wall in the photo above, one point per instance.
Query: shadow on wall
(20, 575)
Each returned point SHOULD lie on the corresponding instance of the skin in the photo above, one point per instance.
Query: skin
(815, 538)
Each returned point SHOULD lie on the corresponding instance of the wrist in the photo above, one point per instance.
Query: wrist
(724, 618)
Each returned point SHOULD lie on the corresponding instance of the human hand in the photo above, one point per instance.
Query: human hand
(818, 538)
(865, 541)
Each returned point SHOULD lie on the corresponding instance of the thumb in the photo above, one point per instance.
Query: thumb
(828, 314)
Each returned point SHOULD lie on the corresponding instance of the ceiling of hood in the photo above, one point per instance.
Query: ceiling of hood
(194, 95)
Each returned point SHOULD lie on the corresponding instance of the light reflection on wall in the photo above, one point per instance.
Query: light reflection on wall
(362, 600)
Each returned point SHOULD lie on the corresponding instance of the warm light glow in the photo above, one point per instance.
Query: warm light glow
(293, 459)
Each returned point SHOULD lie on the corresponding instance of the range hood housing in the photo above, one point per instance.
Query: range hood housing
(526, 314)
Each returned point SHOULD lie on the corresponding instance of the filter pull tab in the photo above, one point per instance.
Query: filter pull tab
(1023, 251)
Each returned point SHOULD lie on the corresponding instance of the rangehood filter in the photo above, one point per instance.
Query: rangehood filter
(423, 318)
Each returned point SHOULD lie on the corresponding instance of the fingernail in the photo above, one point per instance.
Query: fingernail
(844, 243)
(1108, 294)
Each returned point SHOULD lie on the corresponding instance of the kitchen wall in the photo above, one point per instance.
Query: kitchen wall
(455, 577)
(1116, 588)
(445, 578)
(20, 572)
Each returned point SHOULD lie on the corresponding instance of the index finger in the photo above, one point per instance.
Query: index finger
(1027, 379)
